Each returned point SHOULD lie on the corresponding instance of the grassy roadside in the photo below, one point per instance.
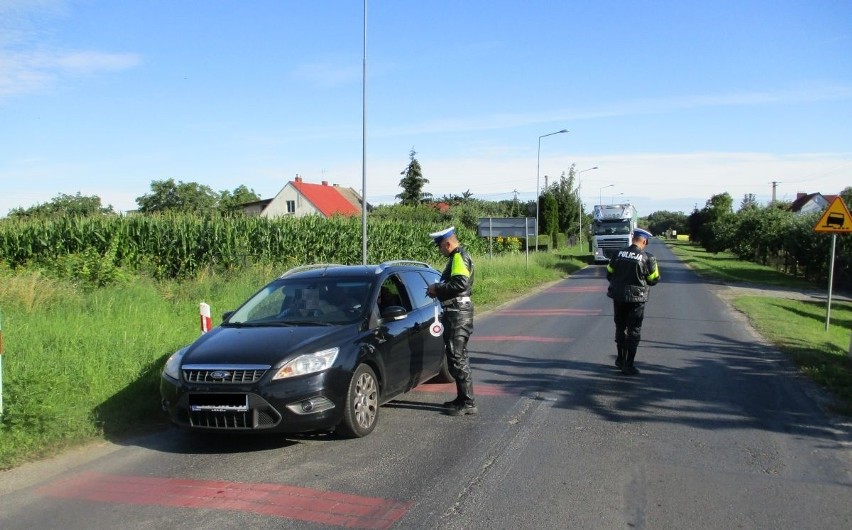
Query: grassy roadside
(79, 365)
(796, 327)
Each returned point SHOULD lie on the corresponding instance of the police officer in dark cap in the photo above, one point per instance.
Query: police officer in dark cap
(631, 273)
(453, 291)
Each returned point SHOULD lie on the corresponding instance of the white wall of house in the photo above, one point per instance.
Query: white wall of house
(289, 202)
(816, 204)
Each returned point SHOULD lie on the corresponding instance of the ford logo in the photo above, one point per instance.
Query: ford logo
(220, 375)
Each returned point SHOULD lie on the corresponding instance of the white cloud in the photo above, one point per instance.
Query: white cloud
(27, 72)
(672, 181)
(811, 93)
(29, 63)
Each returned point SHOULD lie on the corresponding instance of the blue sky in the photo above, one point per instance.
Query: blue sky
(673, 101)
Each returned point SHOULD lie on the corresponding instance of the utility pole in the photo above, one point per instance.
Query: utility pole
(774, 186)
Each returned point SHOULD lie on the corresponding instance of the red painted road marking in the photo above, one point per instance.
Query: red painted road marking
(277, 500)
(522, 338)
(450, 388)
(550, 312)
(579, 289)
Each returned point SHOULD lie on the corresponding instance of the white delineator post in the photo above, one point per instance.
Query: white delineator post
(206, 322)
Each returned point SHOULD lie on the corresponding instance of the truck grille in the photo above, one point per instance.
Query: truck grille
(614, 243)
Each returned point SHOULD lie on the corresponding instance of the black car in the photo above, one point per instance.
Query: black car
(319, 348)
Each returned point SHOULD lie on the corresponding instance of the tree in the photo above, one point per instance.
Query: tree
(549, 215)
(568, 199)
(65, 205)
(412, 182)
(712, 227)
(749, 201)
(662, 221)
(231, 202)
(166, 195)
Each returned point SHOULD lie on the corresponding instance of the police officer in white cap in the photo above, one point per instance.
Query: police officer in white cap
(631, 273)
(453, 291)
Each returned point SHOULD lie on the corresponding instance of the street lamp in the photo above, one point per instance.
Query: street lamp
(616, 195)
(600, 191)
(537, 169)
(580, 201)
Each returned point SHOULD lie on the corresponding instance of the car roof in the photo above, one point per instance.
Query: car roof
(318, 270)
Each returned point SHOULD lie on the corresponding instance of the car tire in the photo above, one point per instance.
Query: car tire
(361, 411)
(444, 375)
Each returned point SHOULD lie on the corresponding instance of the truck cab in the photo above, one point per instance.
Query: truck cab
(612, 229)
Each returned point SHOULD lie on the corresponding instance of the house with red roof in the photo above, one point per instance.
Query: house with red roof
(298, 198)
(811, 202)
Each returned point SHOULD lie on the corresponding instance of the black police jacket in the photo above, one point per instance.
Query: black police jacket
(631, 272)
(457, 278)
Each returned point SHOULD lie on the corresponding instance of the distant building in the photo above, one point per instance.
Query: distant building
(806, 203)
(298, 198)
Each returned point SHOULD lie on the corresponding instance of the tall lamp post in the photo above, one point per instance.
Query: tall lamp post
(537, 169)
(616, 195)
(364, 145)
(600, 191)
(580, 201)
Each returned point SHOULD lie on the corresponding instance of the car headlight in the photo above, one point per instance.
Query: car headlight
(172, 368)
(308, 363)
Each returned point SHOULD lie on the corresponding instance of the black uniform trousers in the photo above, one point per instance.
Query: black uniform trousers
(628, 323)
(458, 326)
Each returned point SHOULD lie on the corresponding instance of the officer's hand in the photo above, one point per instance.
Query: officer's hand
(430, 291)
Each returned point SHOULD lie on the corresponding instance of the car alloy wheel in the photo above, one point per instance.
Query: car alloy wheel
(361, 412)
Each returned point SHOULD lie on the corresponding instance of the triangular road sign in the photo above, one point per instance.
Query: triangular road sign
(835, 218)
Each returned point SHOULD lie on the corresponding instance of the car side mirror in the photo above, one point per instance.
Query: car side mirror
(393, 312)
(226, 315)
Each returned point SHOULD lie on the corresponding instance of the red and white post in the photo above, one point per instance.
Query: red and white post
(206, 322)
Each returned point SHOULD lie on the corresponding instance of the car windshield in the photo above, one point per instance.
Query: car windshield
(304, 302)
(613, 227)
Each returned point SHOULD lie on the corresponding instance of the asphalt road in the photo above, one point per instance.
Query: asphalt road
(718, 431)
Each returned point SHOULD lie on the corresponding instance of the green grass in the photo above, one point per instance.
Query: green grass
(503, 278)
(819, 353)
(80, 364)
(728, 268)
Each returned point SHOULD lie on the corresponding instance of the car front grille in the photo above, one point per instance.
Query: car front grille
(223, 374)
(260, 418)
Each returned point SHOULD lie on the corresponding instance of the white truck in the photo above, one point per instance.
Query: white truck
(612, 229)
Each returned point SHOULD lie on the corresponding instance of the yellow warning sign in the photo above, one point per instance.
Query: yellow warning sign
(835, 219)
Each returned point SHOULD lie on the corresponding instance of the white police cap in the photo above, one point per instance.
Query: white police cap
(441, 235)
(641, 232)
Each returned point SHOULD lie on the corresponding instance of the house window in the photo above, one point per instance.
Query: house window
(291, 206)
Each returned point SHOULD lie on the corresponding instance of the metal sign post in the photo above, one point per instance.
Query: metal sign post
(519, 227)
(830, 281)
(834, 220)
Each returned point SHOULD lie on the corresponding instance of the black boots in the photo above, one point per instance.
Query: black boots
(627, 367)
(619, 360)
(462, 410)
(464, 404)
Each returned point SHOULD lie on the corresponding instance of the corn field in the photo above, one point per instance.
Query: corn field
(178, 246)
